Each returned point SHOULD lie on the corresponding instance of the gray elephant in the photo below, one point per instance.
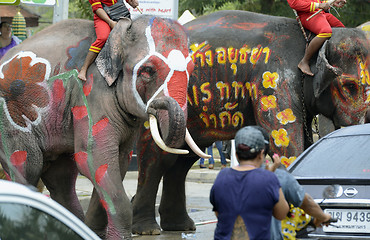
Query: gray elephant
(53, 126)
(245, 74)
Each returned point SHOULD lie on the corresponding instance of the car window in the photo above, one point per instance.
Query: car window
(340, 157)
(23, 222)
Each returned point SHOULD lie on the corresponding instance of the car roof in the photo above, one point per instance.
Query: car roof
(363, 129)
(11, 192)
(355, 130)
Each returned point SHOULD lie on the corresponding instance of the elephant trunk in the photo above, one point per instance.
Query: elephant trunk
(171, 120)
(166, 113)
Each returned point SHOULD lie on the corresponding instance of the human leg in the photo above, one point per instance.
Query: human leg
(90, 58)
(333, 21)
(102, 30)
(321, 27)
(201, 163)
(222, 156)
(211, 161)
(313, 47)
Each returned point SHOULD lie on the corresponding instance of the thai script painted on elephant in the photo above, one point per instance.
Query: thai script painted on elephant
(204, 94)
(223, 89)
(230, 55)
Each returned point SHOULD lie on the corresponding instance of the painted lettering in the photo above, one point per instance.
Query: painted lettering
(204, 88)
(252, 89)
(224, 55)
(223, 87)
(238, 86)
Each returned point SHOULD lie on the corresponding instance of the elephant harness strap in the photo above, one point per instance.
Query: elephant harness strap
(303, 76)
(301, 26)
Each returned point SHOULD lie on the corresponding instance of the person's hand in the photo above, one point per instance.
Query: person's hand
(133, 3)
(324, 6)
(322, 221)
(339, 3)
(112, 24)
(276, 163)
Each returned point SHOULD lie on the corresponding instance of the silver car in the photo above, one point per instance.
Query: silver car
(335, 171)
(27, 214)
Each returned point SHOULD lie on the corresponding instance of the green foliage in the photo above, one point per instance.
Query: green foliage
(83, 8)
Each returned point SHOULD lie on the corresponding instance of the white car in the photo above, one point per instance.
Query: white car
(335, 171)
(27, 214)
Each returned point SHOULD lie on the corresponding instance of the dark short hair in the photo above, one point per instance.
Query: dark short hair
(243, 152)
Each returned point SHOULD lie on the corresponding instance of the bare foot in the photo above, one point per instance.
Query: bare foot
(82, 76)
(305, 68)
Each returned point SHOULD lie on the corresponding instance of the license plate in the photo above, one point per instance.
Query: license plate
(349, 220)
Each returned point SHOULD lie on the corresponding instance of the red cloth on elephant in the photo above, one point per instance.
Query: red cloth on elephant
(102, 28)
(320, 24)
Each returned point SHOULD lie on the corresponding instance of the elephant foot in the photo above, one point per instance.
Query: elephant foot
(146, 228)
(178, 225)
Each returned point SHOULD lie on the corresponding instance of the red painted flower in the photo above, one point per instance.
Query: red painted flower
(21, 83)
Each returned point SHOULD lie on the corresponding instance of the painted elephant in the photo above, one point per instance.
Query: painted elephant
(53, 126)
(366, 28)
(246, 73)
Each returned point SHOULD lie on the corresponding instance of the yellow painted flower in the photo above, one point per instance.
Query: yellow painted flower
(287, 161)
(364, 75)
(280, 137)
(268, 102)
(286, 116)
(270, 79)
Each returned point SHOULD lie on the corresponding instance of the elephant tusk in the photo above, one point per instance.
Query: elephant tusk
(189, 140)
(158, 140)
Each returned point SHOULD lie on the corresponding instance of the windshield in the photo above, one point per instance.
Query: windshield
(339, 157)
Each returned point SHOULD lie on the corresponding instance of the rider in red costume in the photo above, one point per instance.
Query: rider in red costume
(103, 25)
(320, 25)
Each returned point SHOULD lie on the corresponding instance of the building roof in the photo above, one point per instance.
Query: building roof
(7, 12)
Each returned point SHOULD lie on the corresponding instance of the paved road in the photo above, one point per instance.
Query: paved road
(198, 185)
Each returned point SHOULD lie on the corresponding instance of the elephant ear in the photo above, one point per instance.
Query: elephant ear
(109, 61)
(326, 73)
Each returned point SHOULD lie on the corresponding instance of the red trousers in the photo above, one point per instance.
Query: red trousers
(320, 24)
(102, 31)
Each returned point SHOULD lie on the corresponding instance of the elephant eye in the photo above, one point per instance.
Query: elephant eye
(146, 72)
(351, 87)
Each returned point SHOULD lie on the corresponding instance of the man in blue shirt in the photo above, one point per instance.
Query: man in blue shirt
(294, 194)
(246, 191)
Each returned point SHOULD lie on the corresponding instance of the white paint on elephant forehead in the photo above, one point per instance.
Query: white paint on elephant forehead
(177, 61)
(149, 38)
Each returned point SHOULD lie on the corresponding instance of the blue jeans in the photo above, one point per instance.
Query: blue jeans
(210, 152)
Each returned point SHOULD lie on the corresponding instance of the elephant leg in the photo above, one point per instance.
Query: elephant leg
(60, 179)
(110, 194)
(172, 209)
(26, 162)
(143, 203)
(96, 217)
